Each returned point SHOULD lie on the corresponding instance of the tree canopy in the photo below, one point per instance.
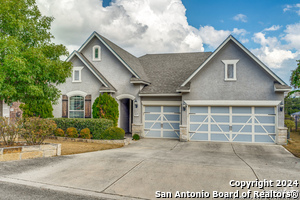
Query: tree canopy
(295, 77)
(30, 65)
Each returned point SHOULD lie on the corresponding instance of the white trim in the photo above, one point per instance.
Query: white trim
(140, 82)
(125, 96)
(161, 103)
(230, 62)
(88, 66)
(160, 95)
(245, 50)
(183, 90)
(231, 103)
(281, 90)
(99, 53)
(108, 91)
(113, 52)
(73, 75)
(75, 93)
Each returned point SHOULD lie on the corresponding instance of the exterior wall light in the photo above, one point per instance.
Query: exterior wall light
(281, 106)
(183, 105)
(135, 103)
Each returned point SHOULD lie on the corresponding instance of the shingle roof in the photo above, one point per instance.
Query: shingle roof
(167, 72)
(132, 61)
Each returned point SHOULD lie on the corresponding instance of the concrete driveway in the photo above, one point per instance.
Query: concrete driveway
(150, 165)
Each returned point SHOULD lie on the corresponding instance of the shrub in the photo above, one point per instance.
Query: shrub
(41, 109)
(59, 132)
(85, 133)
(289, 124)
(105, 106)
(135, 137)
(113, 133)
(9, 130)
(35, 129)
(96, 126)
(72, 132)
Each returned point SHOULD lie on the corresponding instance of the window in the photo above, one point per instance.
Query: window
(96, 53)
(77, 74)
(230, 70)
(76, 107)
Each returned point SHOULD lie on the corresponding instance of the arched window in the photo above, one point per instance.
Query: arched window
(76, 107)
(97, 53)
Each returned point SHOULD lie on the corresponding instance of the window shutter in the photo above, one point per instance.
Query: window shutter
(88, 106)
(64, 106)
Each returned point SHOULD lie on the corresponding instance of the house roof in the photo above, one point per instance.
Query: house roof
(167, 71)
(131, 62)
(94, 70)
(228, 39)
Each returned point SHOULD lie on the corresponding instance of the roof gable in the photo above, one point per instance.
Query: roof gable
(93, 69)
(128, 60)
(228, 39)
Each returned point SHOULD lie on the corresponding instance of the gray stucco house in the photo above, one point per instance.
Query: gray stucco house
(227, 95)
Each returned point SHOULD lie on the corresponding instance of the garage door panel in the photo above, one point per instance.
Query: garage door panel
(171, 134)
(264, 110)
(263, 138)
(265, 119)
(153, 133)
(219, 128)
(171, 126)
(219, 109)
(241, 110)
(242, 137)
(171, 117)
(241, 119)
(171, 109)
(219, 118)
(152, 117)
(199, 109)
(198, 118)
(197, 127)
(199, 137)
(220, 137)
(152, 109)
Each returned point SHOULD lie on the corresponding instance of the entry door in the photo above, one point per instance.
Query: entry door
(232, 124)
(161, 121)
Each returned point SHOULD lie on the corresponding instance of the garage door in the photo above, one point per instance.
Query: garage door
(232, 124)
(161, 121)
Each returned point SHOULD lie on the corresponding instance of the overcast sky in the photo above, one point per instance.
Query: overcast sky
(268, 28)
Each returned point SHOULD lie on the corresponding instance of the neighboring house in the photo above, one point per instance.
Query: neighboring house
(12, 111)
(228, 95)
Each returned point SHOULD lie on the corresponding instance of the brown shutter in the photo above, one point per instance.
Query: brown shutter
(88, 107)
(64, 106)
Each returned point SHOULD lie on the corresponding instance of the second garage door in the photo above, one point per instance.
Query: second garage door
(232, 124)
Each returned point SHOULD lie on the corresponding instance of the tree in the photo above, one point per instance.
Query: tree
(295, 78)
(105, 106)
(30, 65)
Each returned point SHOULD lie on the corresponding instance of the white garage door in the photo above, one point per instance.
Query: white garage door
(161, 121)
(232, 124)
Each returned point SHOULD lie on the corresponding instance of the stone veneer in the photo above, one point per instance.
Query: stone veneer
(28, 152)
(15, 111)
(183, 133)
(137, 129)
(281, 137)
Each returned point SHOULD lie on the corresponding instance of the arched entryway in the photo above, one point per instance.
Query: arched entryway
(125, 111)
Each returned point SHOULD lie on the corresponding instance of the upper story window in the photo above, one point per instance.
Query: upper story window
(96, 53)
(77, 74)
(230, 69)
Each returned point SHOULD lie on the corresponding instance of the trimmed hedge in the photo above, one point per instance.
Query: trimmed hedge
(113, 133)
(96, 126)
(59, 132)
(85, 133)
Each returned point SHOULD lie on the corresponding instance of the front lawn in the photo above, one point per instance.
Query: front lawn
(68, 147)
(294, 144)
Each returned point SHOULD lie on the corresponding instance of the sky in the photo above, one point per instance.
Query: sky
(270, 29)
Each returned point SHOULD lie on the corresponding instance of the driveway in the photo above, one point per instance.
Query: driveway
(150, 165)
